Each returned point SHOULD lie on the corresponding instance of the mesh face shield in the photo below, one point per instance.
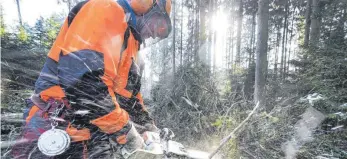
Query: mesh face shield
(157, 20)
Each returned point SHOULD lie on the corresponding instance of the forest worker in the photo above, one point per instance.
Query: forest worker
(89, 86)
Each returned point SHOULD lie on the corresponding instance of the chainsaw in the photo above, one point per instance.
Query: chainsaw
(159, 145)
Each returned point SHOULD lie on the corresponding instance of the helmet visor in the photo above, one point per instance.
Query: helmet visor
(157, 23)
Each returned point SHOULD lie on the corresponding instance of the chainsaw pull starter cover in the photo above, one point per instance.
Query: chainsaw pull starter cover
(54, 142)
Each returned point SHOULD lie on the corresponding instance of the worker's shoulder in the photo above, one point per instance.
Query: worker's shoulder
(106, 6)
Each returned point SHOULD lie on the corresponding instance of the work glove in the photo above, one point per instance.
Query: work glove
(133, 142)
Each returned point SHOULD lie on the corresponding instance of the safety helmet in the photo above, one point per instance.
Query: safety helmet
(142, 6)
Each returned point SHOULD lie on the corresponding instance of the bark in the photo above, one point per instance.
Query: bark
(307, 22)
(343, 21)
(285, 27)
(248, 86)
(210, 34)
(181, 54)
(197, 31)
(239, 33)
(227, 50)
(19, 13)
(202, 29)
(289, 53)
(191, 53)
(214, 51)
(277, 51)
(290, 42)
(232, 43)
(251, 50)
(261, 51)
(232, 54)
(285, 52)
(214, 39)
(174, 40)
(315, 23)
(254, 39)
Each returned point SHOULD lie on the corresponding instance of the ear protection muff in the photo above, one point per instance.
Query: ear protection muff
(166, 6)
(141, 6)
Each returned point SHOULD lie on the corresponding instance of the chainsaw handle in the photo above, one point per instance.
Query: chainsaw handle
(167, 134)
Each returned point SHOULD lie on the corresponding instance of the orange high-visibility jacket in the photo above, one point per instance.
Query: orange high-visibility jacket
(93, 62)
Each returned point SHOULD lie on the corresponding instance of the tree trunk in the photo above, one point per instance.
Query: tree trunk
(307, 22)
(290, 42)
(232, 43)
(277, 51)
(214, 39)
(342, 21)
(193, 16)
(315, 23)
(286, 50)
(239, 32)
(202, 30)
(181, 54)
(285, 27)
(214, 51)
(19, 13)
(174, 40)
(251, 60)
(254, 38)
(232, 54)
(197, 31)
(261, 51)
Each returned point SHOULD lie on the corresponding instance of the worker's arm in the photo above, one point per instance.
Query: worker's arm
(136, 109)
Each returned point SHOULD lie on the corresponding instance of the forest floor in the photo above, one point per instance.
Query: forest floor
(19, 70)
(276, 134)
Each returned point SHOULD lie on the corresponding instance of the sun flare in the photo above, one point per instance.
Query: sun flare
(220, 22)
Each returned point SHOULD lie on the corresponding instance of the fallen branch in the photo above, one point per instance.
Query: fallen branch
(226, 139)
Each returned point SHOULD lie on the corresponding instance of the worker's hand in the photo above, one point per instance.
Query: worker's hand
(128, 143)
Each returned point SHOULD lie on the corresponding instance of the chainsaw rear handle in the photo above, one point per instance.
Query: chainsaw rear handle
(166, 134)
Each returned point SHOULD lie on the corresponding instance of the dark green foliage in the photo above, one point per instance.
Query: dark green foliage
(20, 39)
(39, 32)
(324, 71)
(39, 37)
